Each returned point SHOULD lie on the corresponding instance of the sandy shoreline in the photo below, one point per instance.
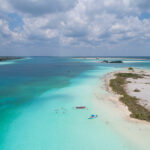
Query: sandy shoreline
(130, 87)
(143, 85)
(117, 116)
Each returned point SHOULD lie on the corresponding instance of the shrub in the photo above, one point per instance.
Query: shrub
(130, 68)
(136, 90)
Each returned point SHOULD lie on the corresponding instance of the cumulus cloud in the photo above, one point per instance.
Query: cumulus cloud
(75, 23)
(143, 5)
(8, 36)
(40, 7)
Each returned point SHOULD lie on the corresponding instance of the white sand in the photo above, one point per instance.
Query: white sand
(116, 115)
(143, 85)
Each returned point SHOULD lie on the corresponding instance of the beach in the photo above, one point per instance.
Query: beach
(138, 88)
(136, 130)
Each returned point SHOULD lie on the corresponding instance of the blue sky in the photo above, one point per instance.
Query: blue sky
(15, 22)
(75, 27)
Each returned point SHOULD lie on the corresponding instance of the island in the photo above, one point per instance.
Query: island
(113, 61)
(132, 86)
(5, 58)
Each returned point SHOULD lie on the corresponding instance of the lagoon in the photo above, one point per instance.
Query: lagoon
(37, 100)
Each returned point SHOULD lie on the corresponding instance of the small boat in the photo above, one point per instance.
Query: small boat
(93, 116)
(80, 107)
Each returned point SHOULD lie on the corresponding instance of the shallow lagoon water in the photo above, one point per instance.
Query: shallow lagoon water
(6, 62)
(48, 120)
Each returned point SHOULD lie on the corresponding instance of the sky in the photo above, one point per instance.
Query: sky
(75, 27)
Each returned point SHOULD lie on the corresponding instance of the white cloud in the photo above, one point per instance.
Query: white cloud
(41, 7)
(8, 36)
(78, 23)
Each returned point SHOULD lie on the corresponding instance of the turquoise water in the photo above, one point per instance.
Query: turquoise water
(37, 100)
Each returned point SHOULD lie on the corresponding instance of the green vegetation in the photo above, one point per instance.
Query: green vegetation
(114, 61)
(130, 68)
(4, 58)
(129, 75)
(117, 85)
(136, 90)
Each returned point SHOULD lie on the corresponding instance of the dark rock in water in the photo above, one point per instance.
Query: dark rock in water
(114, 61)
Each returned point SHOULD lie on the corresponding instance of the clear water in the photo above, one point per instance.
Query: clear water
(37, 100)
